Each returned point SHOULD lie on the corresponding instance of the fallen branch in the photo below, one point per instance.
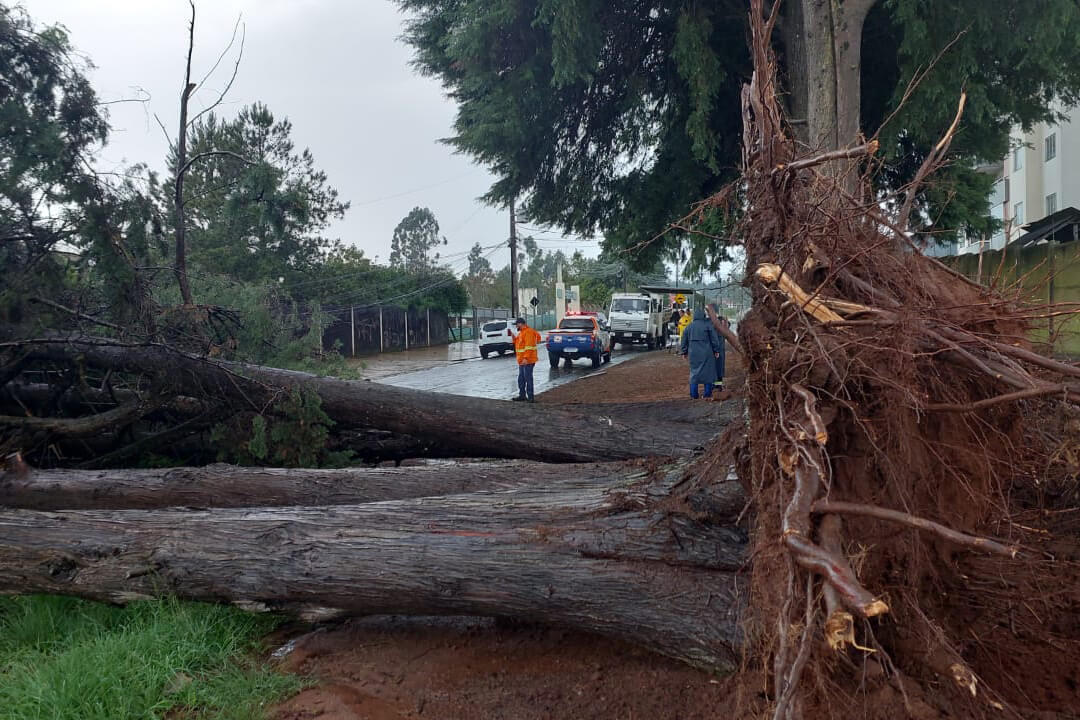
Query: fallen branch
(774, 275)
(107, 421)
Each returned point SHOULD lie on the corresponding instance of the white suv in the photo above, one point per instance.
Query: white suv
(497, 336)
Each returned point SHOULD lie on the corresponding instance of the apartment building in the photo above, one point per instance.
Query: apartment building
(1039, 177)
(1043, 172)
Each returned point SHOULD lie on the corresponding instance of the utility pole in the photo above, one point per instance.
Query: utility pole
(513, 262)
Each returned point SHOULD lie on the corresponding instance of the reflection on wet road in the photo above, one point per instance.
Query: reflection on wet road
(459, 374)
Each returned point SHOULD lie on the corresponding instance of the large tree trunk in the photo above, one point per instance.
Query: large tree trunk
(446, 425)
(596, 555)
(223, 486)
(833, 37)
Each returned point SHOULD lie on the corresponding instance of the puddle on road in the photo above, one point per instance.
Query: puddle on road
(377, 367)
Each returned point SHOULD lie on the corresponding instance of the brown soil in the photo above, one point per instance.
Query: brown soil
(448, 668)
(388, 668)
(654, 376)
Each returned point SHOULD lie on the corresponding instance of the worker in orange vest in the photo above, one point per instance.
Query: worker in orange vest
(526, 342)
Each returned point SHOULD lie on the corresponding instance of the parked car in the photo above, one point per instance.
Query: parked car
(497, 336)
(579, 335)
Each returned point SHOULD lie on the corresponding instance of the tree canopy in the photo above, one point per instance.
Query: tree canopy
(613, 117)
(52, 124)
(261, 210)
(414, 238)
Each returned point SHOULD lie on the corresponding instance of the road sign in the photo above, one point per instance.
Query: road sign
(535, 301)
(527, 297)
(679, 299)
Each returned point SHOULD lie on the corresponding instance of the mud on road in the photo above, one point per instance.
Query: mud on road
(391, 668)
(483, 669)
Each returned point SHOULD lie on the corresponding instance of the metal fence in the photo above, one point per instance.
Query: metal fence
(385, 328)
(390, 328)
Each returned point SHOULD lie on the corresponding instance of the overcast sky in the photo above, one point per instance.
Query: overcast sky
(335, 68)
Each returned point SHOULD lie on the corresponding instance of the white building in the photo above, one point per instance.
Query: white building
(1042, 173)
(1039, 177)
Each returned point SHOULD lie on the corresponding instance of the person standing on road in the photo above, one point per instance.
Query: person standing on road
(526, 342)
(673, 324)
(701, 346)
(684, 322)
(720, 324)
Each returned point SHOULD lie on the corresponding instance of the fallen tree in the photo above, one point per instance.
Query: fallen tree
(223, 486)
(439, 425)
(631, 556)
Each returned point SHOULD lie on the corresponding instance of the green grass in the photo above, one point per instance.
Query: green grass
(65, 658)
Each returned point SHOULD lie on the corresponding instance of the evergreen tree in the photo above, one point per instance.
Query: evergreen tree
(51, 125)
(613, 117)
(260, 212)
(414, 238)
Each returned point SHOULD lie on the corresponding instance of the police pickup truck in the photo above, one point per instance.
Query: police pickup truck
(579, 335)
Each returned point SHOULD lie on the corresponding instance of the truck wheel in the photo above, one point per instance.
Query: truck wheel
(553, 359)
(483, 354)
(607, 356)
(596, 358)
(650, 344)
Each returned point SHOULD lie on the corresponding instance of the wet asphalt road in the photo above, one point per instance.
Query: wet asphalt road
(458, 369)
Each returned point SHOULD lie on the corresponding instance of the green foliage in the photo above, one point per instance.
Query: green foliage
(348, 278)
(292, 433)
(584, 108)
(700, 69)
(271, 328)
(480, 280)
(414, 238)
(613, 117)
(261, 217)
(65, 658)
(52, 123)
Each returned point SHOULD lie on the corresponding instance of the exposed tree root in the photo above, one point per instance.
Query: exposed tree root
(885, 388)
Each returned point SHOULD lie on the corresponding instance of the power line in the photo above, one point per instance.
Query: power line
(416, 190)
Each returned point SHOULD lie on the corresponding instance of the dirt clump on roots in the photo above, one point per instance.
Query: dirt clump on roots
(906, 556)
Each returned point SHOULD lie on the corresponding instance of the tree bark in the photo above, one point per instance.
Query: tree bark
(833, 33)
(448, 425)
(796, 68)
(224, 486)
(595, 555)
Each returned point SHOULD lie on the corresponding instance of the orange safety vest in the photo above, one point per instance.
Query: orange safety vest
(525, 344)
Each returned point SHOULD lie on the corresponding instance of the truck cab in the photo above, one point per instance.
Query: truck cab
(579, 335)
(637, 319)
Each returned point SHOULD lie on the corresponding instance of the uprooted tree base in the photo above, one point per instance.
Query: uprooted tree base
(886, 391)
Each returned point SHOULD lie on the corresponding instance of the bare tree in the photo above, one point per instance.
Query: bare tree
(183, 163)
